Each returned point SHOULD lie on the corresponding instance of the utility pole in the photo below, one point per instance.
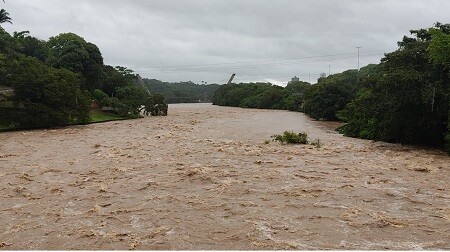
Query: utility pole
(357, 73)
(358, 55)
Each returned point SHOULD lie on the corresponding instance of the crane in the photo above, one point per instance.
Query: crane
(231, 78)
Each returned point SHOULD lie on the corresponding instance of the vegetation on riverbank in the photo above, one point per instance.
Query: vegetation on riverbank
(96, 116)
(182, 92)
(100, 116)
(404, 99)
(3, 126)
(57, 82)
(261, 95)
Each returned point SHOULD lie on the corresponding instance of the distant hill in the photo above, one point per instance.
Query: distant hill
(182, 92)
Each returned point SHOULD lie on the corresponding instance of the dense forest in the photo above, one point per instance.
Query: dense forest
(261, 95)
(404, 99)
(182, 92)
(58, 82)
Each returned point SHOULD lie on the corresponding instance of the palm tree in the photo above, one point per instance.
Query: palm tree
(4, 17)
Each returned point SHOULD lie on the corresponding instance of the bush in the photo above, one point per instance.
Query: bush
(290, 137)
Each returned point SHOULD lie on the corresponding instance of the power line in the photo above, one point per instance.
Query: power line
(250, 64)
(265, 60)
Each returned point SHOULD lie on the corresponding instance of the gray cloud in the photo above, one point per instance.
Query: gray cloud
(207, 40)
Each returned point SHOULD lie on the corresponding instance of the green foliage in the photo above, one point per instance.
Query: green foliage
(155, 105)
(325, 99)
(331, 94)
(297, 87)
(99, 95)
(3, 124)
(439, 53)
(54, 81)
(4, 17)
(439, 47)
(8, 45)
(406, 100)
(182, 92)
(31, 46)
(70, 51)
(67, 50)
(111, 80)
(258, 95)
(290, 137)
(132, 98)
(125, 72)
(99, 116)
(360, 116)
(46, 97)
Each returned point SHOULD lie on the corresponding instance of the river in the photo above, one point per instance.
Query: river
(203, 178)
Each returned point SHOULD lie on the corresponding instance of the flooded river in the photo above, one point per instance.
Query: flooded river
(202, 178)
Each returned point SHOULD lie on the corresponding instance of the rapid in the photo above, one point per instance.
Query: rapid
(203, 178)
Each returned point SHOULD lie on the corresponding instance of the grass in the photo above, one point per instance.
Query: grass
(3, 126)
(97, 116)
(100, 116)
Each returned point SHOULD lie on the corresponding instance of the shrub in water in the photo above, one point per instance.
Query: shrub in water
(290, 137)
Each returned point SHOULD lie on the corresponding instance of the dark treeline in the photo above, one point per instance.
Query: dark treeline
(261, 95)
(404, 99)
(57, 82)
(182, 92)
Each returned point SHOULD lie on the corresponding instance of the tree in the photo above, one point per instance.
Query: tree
(111, 80)
(8, 45)
(326, 98)
(45, 96)
(4, 17)
(439, 53)
(31, 46)
(260, 95)
(297, 87)
(361, 116)
(182, 92)
(67, 50)
(406, 99)
(70, 51)
(125, 72)
(439, 47)
(92, 70)
(132, 97)
(155, 105)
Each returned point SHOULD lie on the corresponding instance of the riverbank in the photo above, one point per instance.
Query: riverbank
(202, 178)
(96, 116)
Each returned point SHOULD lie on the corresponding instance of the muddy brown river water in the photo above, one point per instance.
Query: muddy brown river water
(202, 178)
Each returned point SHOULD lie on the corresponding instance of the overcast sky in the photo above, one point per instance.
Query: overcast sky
(208, 40)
